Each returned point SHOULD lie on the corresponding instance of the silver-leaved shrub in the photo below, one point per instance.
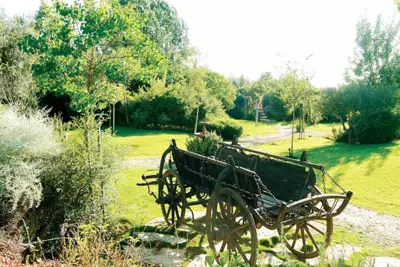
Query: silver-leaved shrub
(26, 142)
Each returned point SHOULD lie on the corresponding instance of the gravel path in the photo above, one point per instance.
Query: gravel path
(283, 132)
(381, 228)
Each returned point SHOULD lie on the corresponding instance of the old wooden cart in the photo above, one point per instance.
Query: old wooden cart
(243, 190)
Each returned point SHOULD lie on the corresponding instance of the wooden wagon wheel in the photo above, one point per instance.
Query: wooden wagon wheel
(201, 195)
(306, 238)
(172, 197)
(230, 225)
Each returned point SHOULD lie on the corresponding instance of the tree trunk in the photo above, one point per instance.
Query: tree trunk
(113, 119)
(109, 116)
(87, 143)
(256, 111)
(303, 126)
(102, 185)
(197, 119)
(126, 108)
(291, 146)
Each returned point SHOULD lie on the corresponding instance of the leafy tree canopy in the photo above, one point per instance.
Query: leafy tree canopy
(90, 51)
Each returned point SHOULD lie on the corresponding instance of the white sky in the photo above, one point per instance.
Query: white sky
(250, 37)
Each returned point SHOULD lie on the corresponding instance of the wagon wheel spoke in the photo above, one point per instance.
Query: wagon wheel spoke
(243, 240)
(311, 237)
(303, 238)
(235, 214)
(169, 210)
(172, 194)
(223, 210)
(240, 250)
(223, 219)
(243, 227)
(173, 215)
(221, 249)
(315, 228)
(313, 234)
(229, 210)
(295, 236)
(177, 212)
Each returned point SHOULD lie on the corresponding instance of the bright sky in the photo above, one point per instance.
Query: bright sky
(254, 36)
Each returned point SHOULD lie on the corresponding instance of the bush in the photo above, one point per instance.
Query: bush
(162, 112)
(227, 128)
(378, 128)
(75, 182)
(26, 147)
(205, 146)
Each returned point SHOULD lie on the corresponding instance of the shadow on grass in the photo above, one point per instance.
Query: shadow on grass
(126, 131)
(338, 154)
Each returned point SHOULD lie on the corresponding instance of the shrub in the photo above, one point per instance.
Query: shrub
(26, 146)
(206, 146)
(162, 112)
(227, 128)
(75, 182)
(376, 128)
(96, 246)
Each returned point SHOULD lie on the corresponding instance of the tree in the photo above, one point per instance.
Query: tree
(241, 109)
(265, 84)
(221, 88)
(294, 85)
(164, 27)
(90, 51)
(373, 84)
(15, 67)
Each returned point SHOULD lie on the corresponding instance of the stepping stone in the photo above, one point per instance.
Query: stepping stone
(166, 257)
(382, 262)
(154, 239)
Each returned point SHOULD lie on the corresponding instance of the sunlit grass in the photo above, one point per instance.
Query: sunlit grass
(251, 129)
(370, 171)
(134, 143)
(133, 203)
(323, 127)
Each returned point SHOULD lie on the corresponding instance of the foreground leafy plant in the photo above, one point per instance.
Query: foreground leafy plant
(206, 146)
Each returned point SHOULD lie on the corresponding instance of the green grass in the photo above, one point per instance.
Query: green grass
(251, 129)
(370, 171)
(323, 127)
(134, 143)
(133, 203)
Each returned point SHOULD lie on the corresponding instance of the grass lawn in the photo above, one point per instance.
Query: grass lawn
(134, 143)
(370, 171)
(133, 202)
(250, 128)
(323, 127)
